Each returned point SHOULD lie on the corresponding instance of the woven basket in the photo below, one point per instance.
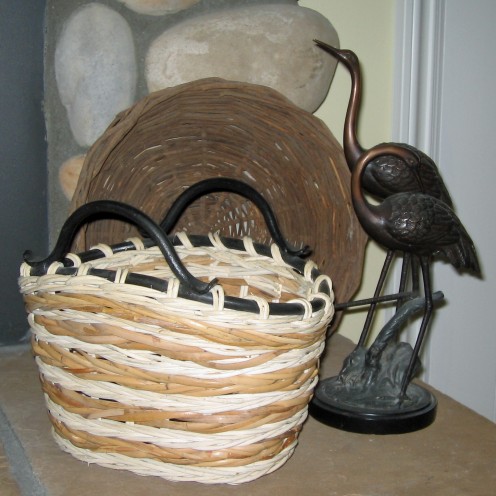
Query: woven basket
(143, 373)
(208, 128)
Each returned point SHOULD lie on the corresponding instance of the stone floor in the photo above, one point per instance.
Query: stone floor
(455, 456)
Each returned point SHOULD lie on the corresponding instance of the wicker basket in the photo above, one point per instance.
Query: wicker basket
(208, 128)
(151, 365)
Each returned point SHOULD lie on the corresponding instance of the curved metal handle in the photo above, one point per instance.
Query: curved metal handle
(107, 208)
(222, 184)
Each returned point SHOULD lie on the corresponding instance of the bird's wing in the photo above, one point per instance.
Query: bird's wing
(424, 223)
(388, 174)
(444, 228)
(431, 181)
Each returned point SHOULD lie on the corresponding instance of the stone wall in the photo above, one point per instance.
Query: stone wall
(103, 56)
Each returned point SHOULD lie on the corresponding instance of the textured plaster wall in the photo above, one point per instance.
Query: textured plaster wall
(368, 29)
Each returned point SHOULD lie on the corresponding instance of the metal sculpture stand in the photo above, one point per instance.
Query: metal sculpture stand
(366, 396)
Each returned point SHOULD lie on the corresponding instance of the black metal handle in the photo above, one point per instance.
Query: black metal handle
(222, 184)
(107, 208)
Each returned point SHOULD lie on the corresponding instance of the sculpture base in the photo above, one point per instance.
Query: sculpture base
(345, 409)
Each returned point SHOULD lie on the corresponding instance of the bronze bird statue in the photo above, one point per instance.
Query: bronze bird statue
(414, 223)
(386, 174)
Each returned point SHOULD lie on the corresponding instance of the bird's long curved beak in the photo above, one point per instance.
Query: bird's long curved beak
(328, 48)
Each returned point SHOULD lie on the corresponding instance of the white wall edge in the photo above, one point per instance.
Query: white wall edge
(418, 71)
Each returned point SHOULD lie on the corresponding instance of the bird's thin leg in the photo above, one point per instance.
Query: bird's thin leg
(404, 277)
(409, 261)
(415, 275)
(378, 289)
(424, 264)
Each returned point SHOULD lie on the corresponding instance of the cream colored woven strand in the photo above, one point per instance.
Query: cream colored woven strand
(179, 473)
(146, 381)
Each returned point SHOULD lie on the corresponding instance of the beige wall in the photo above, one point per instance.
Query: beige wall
(366, 27)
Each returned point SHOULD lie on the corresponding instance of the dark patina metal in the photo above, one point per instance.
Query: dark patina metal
(366, 394)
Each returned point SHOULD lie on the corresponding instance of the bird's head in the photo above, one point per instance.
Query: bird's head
(407, 153)
(347, 57)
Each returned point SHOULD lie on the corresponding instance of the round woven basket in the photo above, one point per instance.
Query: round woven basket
(212, 388)
(210, 128)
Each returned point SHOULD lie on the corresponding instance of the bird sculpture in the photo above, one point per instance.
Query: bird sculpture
(414, 223)
(386, 174)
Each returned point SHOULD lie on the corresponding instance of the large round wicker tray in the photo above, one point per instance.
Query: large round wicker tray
(210, 128)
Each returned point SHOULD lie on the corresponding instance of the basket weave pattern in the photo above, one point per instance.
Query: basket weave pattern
(144, 380)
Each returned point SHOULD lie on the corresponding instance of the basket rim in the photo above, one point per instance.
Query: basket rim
(70, 266)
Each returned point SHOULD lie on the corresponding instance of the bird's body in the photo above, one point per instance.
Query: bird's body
(421, 224)
(388, 174)
(417, 224)
(412, 222)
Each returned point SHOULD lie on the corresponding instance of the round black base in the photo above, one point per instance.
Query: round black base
(342, 414)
